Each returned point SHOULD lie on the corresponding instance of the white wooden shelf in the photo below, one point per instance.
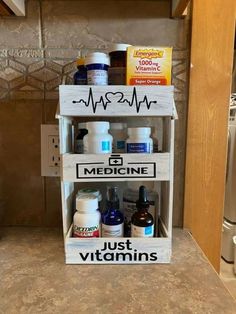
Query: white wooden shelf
(116, 101)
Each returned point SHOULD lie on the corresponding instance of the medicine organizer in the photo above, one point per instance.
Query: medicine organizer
(117, 101)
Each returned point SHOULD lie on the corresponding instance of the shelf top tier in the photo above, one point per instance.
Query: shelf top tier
(117, 100)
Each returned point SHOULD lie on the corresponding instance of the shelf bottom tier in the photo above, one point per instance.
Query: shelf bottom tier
(117, 250)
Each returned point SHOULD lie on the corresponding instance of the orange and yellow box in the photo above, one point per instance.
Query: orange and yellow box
(148, 65)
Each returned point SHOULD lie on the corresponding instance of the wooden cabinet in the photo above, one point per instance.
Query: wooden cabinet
(213, 30)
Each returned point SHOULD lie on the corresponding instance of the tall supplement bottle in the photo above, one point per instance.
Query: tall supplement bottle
(142, 223)
(112, 218)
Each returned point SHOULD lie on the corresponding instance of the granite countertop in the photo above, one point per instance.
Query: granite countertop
(34, 279)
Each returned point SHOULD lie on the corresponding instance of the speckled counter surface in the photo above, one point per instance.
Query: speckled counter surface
(34, 279)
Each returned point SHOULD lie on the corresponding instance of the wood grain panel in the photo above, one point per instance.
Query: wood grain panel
(210, 82)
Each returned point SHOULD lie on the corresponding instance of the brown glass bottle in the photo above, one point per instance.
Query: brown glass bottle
(142, 223)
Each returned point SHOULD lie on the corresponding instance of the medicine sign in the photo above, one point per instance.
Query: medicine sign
(114, 166)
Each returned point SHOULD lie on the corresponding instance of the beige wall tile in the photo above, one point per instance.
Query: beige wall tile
(22, 32)
(94, 24)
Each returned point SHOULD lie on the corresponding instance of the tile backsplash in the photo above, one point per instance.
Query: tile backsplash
(39, 50)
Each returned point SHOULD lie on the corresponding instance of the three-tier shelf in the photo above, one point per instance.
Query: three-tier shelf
(107, 102)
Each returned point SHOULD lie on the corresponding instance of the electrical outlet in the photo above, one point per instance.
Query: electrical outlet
(53, 151)
(50, 156)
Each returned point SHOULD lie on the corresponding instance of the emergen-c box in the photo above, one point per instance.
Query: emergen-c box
(148, 65)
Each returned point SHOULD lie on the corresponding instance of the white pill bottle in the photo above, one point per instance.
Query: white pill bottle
(139, 140)
(97, 64)
(98, 140)
(87, 218)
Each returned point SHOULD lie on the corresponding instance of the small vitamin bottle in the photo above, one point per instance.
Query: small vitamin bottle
(94, 192)
(139, 140)
(80, 77)
(87, 218)
(142, 223)
(117, 70)
(112, 218)
(98, 140)
(130, 196)
(97, 64)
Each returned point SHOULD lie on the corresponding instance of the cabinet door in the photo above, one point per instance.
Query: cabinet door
(209, 94)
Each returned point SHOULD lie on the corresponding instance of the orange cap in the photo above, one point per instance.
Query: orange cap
(80, 61)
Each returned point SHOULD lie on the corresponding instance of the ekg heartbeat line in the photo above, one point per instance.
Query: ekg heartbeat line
(105, 100)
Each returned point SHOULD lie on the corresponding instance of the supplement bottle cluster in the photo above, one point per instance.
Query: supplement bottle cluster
(92, 221)
(137, 214)
(103, 137)
(125, 65)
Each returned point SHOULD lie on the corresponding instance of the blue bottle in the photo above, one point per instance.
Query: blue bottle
(112, 218)
(80, 77)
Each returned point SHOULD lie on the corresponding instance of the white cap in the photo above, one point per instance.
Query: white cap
(86, 203)
(101, 126)
(90, 192)
(139, 131)
(118, 47)
(134, 185)
(82, 125)
(118, 126)
(97, 57)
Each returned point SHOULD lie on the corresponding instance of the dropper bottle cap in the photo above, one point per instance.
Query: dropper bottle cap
(142, 202)
(112, 197)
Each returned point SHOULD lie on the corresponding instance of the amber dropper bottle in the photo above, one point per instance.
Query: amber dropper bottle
(142, 223)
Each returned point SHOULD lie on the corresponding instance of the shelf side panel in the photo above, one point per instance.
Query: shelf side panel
(67, 197)
(167, 187)
(65, 132)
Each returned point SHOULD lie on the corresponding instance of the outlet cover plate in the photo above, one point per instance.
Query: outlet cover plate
(50, 155)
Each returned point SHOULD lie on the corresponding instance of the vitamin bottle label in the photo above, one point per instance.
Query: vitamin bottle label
(97, 77)
(120, 145)
(86, 232)
(80, 80)
(142, 232)
(138, 148)
(116, 231)
(106, 146)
